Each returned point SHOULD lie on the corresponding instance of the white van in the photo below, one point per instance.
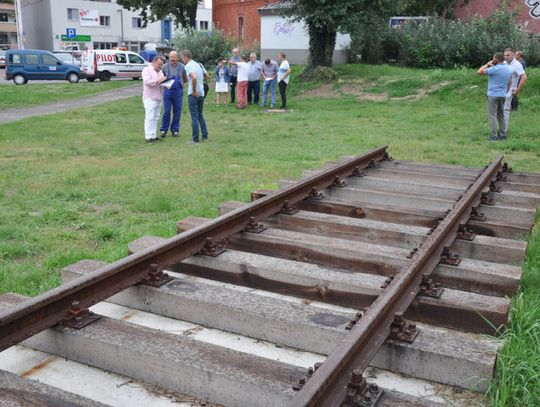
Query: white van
(104, 64)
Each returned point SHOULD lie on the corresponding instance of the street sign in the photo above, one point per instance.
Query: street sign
(77, 38)
(71, 32)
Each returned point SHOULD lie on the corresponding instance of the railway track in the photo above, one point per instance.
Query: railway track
(307, 296)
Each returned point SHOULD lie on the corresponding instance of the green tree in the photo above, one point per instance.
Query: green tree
(184, 11)
(324, 19)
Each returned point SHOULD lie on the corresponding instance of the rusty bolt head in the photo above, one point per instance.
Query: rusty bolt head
(373, 388)
(76, 305)
(356, 376)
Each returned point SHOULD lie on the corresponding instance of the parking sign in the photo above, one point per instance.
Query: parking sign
(71, 33)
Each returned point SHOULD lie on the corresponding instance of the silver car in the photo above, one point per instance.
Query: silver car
(68, 58)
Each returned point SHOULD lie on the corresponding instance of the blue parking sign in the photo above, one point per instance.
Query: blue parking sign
(71, 32)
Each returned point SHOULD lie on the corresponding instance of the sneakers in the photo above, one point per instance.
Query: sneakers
(174, 134)
(193, 142)
(501, 136)
(162, 134)
(493, 137)
(152, 140)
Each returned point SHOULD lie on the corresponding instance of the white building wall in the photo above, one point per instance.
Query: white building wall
(120, 29)
(279, 34)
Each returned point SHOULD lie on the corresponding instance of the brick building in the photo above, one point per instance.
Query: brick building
(239, 18)
(528, 11)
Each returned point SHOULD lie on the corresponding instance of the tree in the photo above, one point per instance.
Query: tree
(184, 11)
(324, 19)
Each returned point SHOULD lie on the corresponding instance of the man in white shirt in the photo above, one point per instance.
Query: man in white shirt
(519, 77)
(242, 84)
(283, 78)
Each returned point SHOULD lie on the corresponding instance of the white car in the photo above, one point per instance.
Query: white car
(104, 64)
(68, 58)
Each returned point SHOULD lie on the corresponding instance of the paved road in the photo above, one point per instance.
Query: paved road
(11, 115)
(4, 82)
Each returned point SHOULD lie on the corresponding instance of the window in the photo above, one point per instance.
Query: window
(135, 59)
(48, 60)
(241, 28)
(105, 45)
(3, 17)
(73, 14)
(120, 58)
(32, 59)
(15, 59)
(105, 21)
(136, 22)
(203, 25)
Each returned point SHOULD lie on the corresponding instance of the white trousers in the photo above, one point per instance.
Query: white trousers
(507, 108)
(152, 110)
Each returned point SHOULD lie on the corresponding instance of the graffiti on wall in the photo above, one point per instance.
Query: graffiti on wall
(534, 8)
(283, 28)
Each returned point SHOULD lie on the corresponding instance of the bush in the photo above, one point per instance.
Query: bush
(206, 46)
(442, 43)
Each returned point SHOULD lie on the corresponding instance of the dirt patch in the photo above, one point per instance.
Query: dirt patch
(356, 88)
(324, 91)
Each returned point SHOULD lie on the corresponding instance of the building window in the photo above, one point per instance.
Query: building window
(241, 28)
(105, 45)
(73, 14)
(203, 25)
(105, 21)
(136, 22)
(3, 17)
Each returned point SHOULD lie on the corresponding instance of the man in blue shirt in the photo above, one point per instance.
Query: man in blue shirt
(172, 97)
(254, 79)
(499, 82)
(195, 74)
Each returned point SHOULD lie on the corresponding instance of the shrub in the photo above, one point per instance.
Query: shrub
(206, 46)
(443, 43)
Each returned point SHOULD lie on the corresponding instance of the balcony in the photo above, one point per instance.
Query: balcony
(8, 27)
(7, 7)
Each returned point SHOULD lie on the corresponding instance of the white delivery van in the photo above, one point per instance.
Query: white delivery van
(104, 64)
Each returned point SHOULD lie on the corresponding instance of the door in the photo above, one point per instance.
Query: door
(32, 66)
(136, 65)
(52, 67)
(122, 65)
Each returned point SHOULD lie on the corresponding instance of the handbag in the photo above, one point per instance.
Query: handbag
(205, 83)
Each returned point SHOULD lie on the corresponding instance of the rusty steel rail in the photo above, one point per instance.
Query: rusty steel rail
(48, 309)
(330, 384)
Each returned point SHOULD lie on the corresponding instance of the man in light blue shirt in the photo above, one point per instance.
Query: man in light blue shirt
(499, 82)
(195, 74)
(254, 79)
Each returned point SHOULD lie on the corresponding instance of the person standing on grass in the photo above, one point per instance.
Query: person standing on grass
(499, 82)
(172, 97)
(152, 96)
(254, 79)
(283, 78)
(519, 77)
(195, 76)
(270, 71)
(222, 82)
(515, 101)
(242, 84)
(233, 73)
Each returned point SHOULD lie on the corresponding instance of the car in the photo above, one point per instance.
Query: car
(68, 58)
(2, 59)
(32, 64)
(105, 64)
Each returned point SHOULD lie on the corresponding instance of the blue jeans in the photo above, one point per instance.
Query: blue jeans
(254, 88)
(196, 104)
(272, 85)
(172, 99)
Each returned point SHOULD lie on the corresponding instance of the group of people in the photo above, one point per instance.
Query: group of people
(243, 78)
(163, 84)
(506, 77)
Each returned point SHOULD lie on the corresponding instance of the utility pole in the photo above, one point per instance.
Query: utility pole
(18, 18)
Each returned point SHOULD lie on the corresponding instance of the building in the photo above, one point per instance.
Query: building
(279, 34)
(239, 19)
(60, 24)
(8, 25)
(528, 11)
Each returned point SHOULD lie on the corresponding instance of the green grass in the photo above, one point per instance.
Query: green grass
(83, 185)
(34, 94)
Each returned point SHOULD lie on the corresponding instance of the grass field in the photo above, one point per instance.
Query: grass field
(83, 185)
(12, 96)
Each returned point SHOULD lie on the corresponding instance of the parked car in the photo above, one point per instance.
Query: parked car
(2, 59)
(104, 64)
(31, 64)
(68, 58)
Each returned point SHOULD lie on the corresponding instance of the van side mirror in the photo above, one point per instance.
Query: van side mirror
(58, 63)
